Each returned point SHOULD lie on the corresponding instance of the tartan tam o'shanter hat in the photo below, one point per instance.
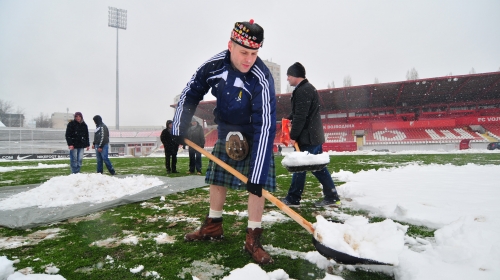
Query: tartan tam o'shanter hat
(248, 34)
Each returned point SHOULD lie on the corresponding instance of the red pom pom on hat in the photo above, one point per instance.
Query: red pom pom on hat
(251, 21)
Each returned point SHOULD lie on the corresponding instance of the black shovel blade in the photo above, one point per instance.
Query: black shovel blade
(342, 258)
(302, 168)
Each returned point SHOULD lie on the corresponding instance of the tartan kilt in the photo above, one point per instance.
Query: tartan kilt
(217, 175)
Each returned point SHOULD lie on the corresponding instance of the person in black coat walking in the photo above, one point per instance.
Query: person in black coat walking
(307, 131)
(77, 138)
(171, 147)
(196, 135)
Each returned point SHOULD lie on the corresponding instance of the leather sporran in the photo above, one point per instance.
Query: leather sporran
(236, 145)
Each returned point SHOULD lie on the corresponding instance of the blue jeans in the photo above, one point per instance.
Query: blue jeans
(194, 160)
(323, 176)
(76, 159)
(103, 156)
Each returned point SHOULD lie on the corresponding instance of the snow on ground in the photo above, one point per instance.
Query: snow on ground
(39, 166)
(459, 201)
(78, 188)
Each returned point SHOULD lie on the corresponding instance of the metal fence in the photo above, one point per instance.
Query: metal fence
(22, 141)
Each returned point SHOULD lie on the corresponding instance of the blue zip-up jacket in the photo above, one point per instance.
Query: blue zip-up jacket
(246, 102)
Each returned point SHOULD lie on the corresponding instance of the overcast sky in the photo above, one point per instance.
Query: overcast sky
(59, 54)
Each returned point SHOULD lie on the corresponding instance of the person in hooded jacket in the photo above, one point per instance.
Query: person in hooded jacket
(195, 134)
(77, 138)
(171, 147)
(101, 145)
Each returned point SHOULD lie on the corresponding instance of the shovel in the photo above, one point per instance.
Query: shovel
(290, 160)
(327, 252)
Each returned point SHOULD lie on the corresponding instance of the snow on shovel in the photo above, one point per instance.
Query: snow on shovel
(339, 257)
(300, 161)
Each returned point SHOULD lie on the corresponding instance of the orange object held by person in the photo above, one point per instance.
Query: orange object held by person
(285, 132)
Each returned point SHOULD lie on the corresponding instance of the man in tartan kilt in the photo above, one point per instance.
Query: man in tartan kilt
(246, 118)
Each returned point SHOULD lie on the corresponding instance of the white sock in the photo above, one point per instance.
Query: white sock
(254, 225)
(214, 214)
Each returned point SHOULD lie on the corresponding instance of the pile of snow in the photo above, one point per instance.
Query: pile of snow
(39, 166)
(461, 202)
(304, 159)
(382, 241)
(78, 188)
(7, 272)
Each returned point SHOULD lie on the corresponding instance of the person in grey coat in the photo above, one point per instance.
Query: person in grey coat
(101, 145)
(307, 131)
(195, 133)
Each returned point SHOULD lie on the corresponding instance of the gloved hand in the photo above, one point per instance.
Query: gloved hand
(179, 139)
(255, 188)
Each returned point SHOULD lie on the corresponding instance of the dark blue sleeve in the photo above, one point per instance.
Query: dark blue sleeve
(264, 125)
(192, 94)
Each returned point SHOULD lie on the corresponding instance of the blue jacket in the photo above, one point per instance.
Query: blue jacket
(245, 102)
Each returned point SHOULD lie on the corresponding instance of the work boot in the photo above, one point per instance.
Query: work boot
(210, 230)
(254, 248)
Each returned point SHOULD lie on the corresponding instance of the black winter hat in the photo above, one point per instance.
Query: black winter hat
(97, 119)
(248, 34)
(296, 70)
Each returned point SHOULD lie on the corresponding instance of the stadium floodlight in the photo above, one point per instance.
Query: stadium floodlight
(117, 19)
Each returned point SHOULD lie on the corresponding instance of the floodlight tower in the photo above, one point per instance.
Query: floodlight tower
(117, 19)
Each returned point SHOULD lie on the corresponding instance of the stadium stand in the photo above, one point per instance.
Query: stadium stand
(435, 112)
(128, 134)
(422, 136)
(143, 133)
(493, 130)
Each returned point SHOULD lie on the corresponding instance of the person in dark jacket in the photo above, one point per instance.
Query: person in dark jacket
(195, 133)
(246, 118)
(307, 131)
(171, 147)
(77, 138)
(101, 145)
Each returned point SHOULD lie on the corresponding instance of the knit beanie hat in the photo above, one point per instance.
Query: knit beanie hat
(79, 114)
(248, 34)
(296, 70)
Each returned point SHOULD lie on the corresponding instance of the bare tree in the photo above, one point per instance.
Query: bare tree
(376, 81)
(411, 74)
(5, 108)
(472, 71)
(332, 85)
(347, 81)
(43, 120)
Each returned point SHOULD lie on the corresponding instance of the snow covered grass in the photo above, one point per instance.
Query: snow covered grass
(146, 239)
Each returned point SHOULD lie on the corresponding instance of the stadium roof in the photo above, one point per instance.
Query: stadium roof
(465, 90)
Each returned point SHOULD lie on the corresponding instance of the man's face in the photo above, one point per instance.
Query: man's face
(78, 118)
(242, 58)
(193, 123)
(293, 81)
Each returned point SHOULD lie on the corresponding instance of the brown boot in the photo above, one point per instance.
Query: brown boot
(210, 230)
(253, 246)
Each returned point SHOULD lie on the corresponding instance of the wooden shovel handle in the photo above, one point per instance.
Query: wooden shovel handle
(296, 145)
(294, 215)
